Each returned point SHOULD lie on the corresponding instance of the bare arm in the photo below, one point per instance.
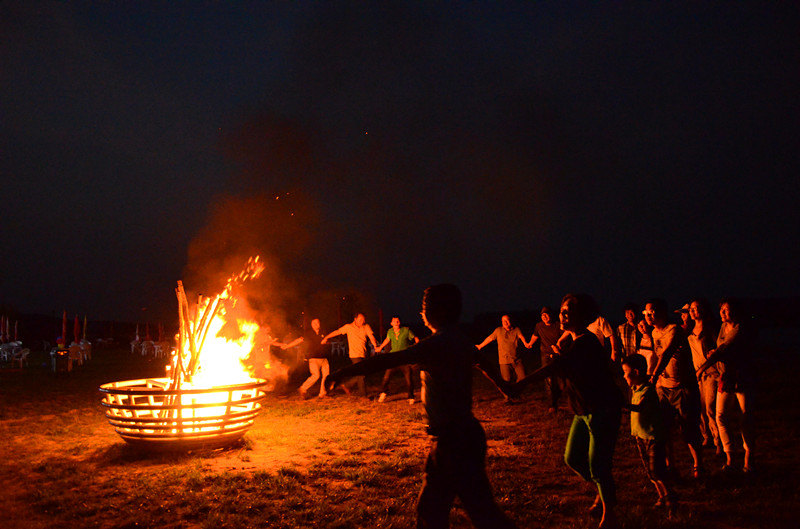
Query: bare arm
(666, 356)
(485, 342)
(715, 355)
(412, 355)
(614, 346)
(337, 332)
(382, 345)
(371, 337)
(296, 341)
(527, 345)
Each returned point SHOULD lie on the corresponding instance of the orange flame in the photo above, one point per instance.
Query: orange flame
(220, 359)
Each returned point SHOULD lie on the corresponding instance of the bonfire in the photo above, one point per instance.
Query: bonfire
(209, 398)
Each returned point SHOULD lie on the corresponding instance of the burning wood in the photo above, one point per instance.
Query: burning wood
(209, 399)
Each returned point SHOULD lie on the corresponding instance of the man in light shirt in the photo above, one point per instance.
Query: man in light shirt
(357, 332)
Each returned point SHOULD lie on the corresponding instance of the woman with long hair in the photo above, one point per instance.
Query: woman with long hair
(733, 358)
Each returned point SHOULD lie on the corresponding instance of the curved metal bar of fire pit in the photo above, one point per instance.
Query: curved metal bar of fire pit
(143, 412)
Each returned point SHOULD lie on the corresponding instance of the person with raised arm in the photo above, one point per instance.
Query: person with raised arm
(587, 372)
(456, 465)
(674, 381)
(316, 354)
(357, 332)
(400, 337)
(508, 338)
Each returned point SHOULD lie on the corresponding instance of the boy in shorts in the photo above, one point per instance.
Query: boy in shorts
(647, 427)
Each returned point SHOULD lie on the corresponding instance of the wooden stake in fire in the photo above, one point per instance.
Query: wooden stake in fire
(194, 327)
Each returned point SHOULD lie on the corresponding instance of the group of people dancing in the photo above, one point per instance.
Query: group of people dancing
(688, 376)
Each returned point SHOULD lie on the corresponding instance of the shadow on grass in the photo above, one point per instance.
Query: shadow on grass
(122, 453)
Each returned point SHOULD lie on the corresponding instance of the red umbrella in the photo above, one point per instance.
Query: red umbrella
(77, 330)
(147, 332)
(64, 327)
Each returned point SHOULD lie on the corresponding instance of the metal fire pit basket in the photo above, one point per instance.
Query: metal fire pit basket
(145, 413)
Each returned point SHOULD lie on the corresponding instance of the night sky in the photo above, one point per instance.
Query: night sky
(520, 151)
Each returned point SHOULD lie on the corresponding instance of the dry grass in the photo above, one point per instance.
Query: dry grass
(344, 462)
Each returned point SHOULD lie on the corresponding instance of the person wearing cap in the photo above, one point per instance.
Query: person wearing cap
(547, 333)
(687, 323)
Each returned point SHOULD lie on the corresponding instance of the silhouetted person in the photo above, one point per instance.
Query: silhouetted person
(456, 461)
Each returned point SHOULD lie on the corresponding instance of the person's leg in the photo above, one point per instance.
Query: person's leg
(361, 381)
(576, 453)
(505, 372)
(551, 383)
(724, 423)
(668, 417)
(437, 494)
(409, 381)
(471, 482)
(687, 405)
(313, 367)
(355, 380)
(745, 405)
(708, 391)
(386, 377)
(705, 429)
(325, 368)
(519, 369)
(603, 430)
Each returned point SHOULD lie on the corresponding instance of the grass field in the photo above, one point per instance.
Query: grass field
(346, 462)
